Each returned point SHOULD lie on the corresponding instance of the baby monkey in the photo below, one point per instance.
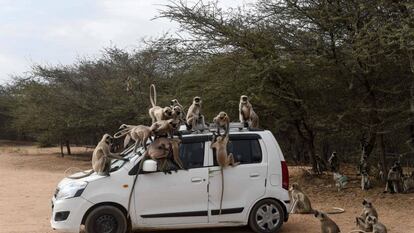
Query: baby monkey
(327, 224)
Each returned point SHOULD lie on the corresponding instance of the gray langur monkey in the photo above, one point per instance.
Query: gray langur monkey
(368, 210)
(139, 133)
(101, 158)
(222, 120)
(158, 113)
(223, 159)
(375, 226)
(327, 224)
(408, 183)
(246, 114)
(164, 127)
(394, 179)
(194, 118)
(301, 203)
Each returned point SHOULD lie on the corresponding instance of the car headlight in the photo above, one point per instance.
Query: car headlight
(70, 190)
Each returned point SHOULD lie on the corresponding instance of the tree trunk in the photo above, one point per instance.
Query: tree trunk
(382, 155)
(68, 147)
(61, 149)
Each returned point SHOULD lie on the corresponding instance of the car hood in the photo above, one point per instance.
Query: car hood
(88, 179)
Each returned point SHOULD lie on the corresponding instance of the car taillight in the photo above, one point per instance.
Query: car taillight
(285, 176)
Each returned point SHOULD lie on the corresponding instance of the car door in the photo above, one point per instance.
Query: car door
(243, 184)
(177, 198)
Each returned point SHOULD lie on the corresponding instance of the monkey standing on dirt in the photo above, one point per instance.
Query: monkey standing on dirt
(301, 203)
(327, 224)
(394, 179)
(156, 112)
(139, 133)
(408, 183)
(194, 117)
(223, 159)
(246, 114)
(222, 120)
(101, 158)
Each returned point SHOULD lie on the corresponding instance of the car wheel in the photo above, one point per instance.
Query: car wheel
(266, 216)
(106, 219)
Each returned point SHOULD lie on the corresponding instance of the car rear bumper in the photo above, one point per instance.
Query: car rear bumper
(76, 207)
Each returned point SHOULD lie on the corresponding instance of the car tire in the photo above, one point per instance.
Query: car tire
(106, 219)
(266, 216)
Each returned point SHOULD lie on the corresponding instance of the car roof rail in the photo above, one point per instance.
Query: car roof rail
(212, 128)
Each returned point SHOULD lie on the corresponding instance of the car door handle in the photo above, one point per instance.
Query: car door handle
(196, 180)
(254, 175)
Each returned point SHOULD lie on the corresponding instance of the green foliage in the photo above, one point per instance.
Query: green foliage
(320, 74)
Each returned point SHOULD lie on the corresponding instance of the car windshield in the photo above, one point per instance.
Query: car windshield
(128, 154)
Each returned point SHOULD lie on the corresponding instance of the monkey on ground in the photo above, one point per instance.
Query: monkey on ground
(375, 226)
(334, 162)
(158, 113)
(368, 210)
(364, 171)
(223, 159)
(139, 133)
(408, 183)
(194, 117)
(394, 179)
(101, 158)
(164, 127)
(301, 203)
(327, 224)
(246, 114)
(222, 120)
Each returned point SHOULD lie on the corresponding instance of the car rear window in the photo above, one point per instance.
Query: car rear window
(245, 151)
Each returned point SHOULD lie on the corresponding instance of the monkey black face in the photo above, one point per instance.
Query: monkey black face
(197, 100)
(366, 203)
(167, 111)
(243, 98)
(319, 215)
(371, 219)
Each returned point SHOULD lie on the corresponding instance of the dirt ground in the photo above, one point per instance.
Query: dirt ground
(28, 177)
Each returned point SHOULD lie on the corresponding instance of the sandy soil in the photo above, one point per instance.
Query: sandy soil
(28, 177)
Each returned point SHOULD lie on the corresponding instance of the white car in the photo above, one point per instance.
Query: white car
(255, 192)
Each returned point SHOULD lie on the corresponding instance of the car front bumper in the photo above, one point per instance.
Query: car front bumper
(77, 208)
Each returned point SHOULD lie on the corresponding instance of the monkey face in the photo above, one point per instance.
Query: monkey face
(173, 123)
(371, 219)
(243, 99)
(167, 111)
(197, 100)
(366, 203)
(319, 215)
(295, 186)
(107, 138)
(177, 110)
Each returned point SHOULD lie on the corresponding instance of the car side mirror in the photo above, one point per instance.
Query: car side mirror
(149, 166)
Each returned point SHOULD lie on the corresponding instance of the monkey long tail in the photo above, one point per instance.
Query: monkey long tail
(121, 133)
(222, 190)
(153, 91)
(336, 210)
(83, 176)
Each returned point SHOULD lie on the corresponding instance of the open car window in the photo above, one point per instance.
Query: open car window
(245, 151)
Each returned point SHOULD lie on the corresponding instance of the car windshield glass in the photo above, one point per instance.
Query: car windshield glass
(128, 154)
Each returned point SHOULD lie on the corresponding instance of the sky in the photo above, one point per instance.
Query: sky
(51, 32)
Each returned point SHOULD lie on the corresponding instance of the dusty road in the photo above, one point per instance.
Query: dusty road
(28, 177)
